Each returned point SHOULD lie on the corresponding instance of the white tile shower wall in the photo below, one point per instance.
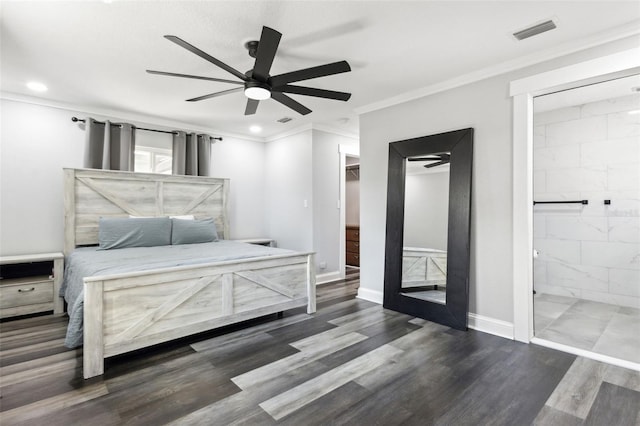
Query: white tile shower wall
(591, 152)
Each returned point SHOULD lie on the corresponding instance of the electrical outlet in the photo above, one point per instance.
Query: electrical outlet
(323, 265)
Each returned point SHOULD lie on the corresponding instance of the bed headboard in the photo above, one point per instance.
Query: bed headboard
(90, 194)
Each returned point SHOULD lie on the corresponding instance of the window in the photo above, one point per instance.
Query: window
(152, 160)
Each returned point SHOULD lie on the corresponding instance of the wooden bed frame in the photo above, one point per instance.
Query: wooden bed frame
(125, 312)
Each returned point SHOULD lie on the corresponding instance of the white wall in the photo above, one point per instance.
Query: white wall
(589, 151)
(243, 162)
(486, 106)
(326, 197)
(39, 141)
(302, 193)
(426, 210)
(289, 191)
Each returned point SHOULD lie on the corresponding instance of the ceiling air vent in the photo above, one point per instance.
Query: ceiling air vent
(535, 30)
(285, 120)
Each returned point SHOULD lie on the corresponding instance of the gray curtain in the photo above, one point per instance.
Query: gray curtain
(109, 146)
(191, 154)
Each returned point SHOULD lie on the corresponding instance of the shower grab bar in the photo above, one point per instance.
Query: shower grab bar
(562, 202)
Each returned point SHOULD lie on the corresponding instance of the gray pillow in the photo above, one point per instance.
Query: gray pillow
(193, 231)
(139, 232)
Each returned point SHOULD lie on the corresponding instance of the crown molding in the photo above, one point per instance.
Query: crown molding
(339, 132)
(119, 115)
(311, 126)
(287, 133)
(618, 33)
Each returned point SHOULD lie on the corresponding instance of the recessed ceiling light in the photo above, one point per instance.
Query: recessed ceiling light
(36, 86)
(634, 112)
(255, 129)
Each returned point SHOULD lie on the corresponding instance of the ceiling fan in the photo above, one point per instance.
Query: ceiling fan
(439, 159)
(257, 83)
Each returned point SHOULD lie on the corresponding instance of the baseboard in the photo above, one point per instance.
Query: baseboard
(370, 295)
(491, 326)
(327, 277)
(476, 322)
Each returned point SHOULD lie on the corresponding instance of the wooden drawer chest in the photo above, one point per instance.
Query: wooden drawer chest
(30, 293)
(353, 245)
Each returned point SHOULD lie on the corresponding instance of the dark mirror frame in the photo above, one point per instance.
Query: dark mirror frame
(454, 313)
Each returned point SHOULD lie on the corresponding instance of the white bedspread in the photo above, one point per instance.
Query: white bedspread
(88, 261)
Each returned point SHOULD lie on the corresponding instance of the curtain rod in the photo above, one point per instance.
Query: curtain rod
(74, 119)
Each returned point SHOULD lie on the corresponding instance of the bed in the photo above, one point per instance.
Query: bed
(132, 309)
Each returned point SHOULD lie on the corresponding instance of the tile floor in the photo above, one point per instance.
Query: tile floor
(598, 327)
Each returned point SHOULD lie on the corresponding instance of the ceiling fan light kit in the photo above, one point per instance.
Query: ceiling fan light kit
(256, 90)
(258, 84)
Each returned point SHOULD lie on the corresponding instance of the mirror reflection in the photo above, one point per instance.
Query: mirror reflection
(426, 213)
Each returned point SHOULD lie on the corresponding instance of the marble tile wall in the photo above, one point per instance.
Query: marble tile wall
(592, 152)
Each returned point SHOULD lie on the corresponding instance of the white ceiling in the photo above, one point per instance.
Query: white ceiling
(93, 54)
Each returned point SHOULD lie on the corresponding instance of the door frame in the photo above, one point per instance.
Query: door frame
(523, 91)
(344, 151)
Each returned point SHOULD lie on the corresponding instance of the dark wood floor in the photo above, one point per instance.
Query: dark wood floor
(350, 363)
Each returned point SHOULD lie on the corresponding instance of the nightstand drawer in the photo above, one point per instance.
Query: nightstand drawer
(353, 247)
(353, 259)
(25, 291)
(353, 234)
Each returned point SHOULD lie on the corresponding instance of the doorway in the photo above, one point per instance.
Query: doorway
(350, 211)
(617, 65)
(586, 218)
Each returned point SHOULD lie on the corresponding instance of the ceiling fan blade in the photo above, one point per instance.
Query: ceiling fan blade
(311, 91)
(424, 159)
(309, 73)
(206, 56)
(267, 47)
(287, 101)
(216, 94)
(173, 74)
(252, 106)
(439, 163)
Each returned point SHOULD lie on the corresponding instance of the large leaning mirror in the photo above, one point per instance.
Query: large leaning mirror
(428, 222)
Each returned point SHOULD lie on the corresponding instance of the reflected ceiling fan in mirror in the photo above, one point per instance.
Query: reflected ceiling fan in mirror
(257, 84)
(439, 159)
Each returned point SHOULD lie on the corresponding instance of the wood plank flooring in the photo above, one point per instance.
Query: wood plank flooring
(350, 363)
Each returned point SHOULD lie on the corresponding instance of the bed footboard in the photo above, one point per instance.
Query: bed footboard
(423, 267)
(126, 312)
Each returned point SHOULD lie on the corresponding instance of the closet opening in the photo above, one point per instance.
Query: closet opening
(349, 248)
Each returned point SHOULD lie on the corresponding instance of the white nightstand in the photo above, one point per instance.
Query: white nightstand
(34, 293)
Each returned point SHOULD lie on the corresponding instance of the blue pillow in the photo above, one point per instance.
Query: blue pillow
(139, 232)
(193, 231)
